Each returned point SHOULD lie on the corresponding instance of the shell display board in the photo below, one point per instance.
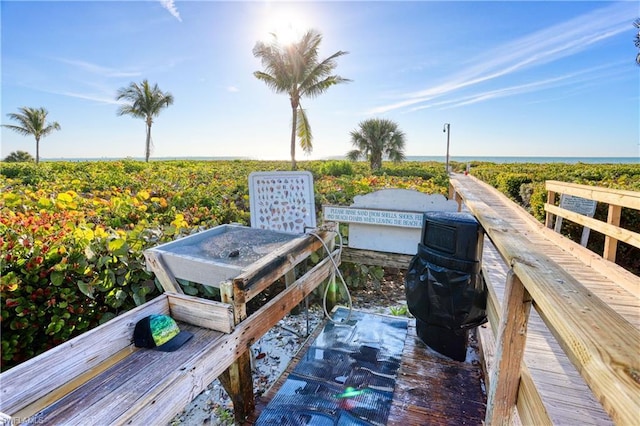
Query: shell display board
(282, 201)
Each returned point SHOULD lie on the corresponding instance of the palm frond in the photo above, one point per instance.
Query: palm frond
(303, 131)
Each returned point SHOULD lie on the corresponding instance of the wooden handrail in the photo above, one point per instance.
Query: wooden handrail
(601, 344)
(615, 198)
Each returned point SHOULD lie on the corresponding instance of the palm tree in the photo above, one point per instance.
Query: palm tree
(377, 139)
(33, 121)
(294, 69)
(19, 157)
(144, 102)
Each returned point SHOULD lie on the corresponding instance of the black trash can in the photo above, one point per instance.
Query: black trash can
(444, 285)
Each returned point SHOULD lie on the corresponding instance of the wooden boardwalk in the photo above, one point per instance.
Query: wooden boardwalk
(566, 397)
(430, 389)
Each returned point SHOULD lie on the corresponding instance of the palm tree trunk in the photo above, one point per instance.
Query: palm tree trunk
(376, 162)
(147, 151)
(294, 126)
(37, 151)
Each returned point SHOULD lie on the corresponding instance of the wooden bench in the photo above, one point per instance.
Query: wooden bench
(101, 378)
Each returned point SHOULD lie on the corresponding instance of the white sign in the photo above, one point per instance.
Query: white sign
(580, 205)
(373, 217)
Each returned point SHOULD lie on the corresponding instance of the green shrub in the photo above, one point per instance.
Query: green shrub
(510, 183)
(337, 168)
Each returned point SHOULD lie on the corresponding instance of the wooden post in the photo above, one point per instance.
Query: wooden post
(237, 379)
(512, 333)
(610, 243)
(551, 199)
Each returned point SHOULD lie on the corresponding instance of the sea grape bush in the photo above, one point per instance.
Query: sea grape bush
(72, 234)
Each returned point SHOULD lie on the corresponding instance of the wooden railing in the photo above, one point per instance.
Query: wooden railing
(601, 344)
(615, 198)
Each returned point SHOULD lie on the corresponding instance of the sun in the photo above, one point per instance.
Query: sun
(287, 25)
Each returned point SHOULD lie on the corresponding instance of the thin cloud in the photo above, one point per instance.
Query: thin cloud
(539, 48)
(88, 97)
(98, 69)
(232, 89)
(171, 7)
(580, 77)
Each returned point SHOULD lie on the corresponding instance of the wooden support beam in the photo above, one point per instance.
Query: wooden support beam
(505, 377)
(551, 199)
(376, 258)
(163, 274)
(238, 383)
(611, 243)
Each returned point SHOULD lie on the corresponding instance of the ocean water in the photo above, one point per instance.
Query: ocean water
(540, 160)
(438, 158)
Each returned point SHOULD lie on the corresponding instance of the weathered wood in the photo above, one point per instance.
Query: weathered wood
(512, 333)
(163, 274)
(368, 257)
(151, 384)
(145, 387)
(620, 234)
(238, 382)
(276, 264)
(599, 342)
(617, 197)
(610, 242)
(201, 312)
(49, 376)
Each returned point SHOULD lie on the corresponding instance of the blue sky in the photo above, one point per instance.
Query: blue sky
(513, 78)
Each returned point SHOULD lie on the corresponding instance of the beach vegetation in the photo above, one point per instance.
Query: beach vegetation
(72, 234)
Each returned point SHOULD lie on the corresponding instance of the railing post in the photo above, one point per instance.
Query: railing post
(610, 243)
(551, 199)
(512, 333)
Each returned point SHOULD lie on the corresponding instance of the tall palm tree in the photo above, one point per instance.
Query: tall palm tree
(33, 121)
(145, 102)
(377, 139)
(294, 69)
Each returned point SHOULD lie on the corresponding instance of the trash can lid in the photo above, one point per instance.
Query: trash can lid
(458, 217)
